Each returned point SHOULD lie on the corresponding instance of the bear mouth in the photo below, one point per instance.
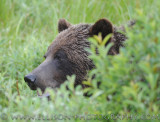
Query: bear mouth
(43, 94)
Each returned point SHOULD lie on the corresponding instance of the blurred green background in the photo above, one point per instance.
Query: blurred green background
(27, 27)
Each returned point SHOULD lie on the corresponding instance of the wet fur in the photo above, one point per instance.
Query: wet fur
(67, 54)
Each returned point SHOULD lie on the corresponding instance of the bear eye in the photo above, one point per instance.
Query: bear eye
(57, 57)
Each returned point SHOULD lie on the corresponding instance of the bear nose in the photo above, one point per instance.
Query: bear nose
(30, 79)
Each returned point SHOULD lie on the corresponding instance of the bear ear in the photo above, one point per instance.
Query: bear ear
(62, 25)
(102, 26)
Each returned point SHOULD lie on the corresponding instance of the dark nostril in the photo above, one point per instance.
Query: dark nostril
(30, 78)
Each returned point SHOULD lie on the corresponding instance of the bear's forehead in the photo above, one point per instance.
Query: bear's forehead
(73, 32)
(73, 35)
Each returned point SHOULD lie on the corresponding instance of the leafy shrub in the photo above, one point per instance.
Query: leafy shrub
(130, 81)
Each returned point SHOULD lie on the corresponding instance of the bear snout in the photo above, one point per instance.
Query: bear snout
(30, 80)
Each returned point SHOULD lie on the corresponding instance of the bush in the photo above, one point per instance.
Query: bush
(130, 81)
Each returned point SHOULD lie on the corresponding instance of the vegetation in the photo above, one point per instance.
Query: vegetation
(130, 81)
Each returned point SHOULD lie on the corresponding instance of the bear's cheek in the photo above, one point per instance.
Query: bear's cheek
(62, 69)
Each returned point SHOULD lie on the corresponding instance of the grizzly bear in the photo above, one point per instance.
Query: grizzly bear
(67, 54)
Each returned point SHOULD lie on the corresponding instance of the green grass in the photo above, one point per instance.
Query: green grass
(27, 27)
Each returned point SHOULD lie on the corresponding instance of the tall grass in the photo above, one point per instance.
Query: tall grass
(28, 27)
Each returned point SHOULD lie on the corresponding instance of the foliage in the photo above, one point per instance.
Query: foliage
(130, 81)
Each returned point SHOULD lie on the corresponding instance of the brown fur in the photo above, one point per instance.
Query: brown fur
(71, 42)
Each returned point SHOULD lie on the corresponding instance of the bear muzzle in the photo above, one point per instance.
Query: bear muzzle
(30, 80)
